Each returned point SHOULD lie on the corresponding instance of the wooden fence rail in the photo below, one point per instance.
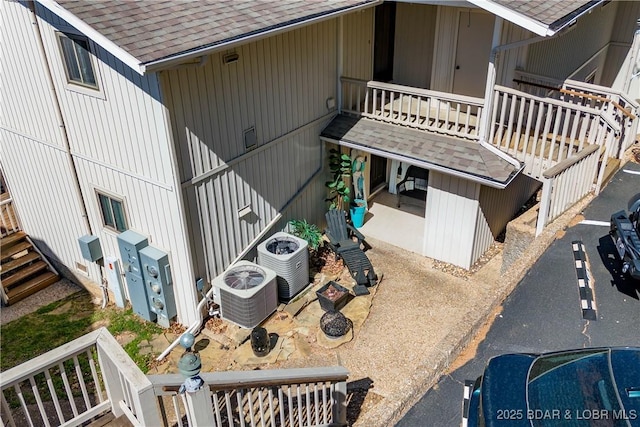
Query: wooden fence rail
(566, 183)
(290, 397)
(9, 223)
(92, 376)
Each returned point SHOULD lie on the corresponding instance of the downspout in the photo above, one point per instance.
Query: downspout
(65, 138)
(340, 61)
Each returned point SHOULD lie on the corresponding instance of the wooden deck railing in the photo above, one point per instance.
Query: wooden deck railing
(440, 112)
(8, 220)
(92, 376)
(615, 104)
(77, 382)
(291, 397)
(542, 132)
(566, 183)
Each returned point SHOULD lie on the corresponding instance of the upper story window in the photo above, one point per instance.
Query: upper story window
(112, 210)
(77, 60)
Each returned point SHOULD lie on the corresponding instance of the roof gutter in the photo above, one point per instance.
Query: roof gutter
(532, 25)
(231, 43)
(94, 35)
(424, 164)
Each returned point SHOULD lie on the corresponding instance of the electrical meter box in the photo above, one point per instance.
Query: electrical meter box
(90, 248)
(129, 244)
(156, 272)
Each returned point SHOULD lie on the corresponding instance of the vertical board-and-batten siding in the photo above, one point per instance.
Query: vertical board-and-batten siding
(562, 56)
(414, 44)
(34, 161)
(357, 39)
(119, 142)
(445, 48)
(451, 210)
(279, 86)
(25, 112)
(497, 207)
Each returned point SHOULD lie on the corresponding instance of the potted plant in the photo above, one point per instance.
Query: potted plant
(357, 210)
(332, 296)
(339, 191)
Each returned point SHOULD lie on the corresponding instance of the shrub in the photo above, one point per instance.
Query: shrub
(309, 232)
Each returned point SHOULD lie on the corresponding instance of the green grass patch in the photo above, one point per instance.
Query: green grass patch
(62, 321)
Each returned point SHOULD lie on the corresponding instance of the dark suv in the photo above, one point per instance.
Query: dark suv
(625, 232)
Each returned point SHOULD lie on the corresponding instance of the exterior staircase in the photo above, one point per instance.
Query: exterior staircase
(23, 269)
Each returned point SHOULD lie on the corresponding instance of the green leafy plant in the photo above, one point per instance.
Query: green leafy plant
(339, 191)
(309, 232)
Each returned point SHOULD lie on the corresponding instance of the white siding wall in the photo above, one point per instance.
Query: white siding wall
(120, 143)
(445, 50)
(414, 44)
(562, 56)
(511, 59)
(451, 211)
(497, 207)
(280, 86)
(33, 158)
(357, 39)
(46, 202)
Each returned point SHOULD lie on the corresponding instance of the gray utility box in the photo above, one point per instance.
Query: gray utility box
(129, 244)
(157, 278)
(90, 248)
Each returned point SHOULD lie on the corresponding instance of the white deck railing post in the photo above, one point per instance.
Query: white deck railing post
(545, 202)
(199, 408)
(340, 403)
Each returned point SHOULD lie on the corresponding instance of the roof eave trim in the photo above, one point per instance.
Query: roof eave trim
(94, 35)
(424, 164)
(170, 61)
(512, 16)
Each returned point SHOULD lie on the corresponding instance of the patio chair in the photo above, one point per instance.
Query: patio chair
(346, 241)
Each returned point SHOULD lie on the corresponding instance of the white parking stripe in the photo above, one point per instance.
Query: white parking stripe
(591, 222)
(631, 172)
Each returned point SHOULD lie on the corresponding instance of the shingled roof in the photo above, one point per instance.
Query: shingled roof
(148, 34)
(153, 30)
(543, 17)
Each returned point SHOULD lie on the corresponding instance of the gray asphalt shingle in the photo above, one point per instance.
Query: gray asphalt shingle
(452, 153)
(150, 30)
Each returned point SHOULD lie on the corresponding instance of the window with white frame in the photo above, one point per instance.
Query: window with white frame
(112, 210)
(76, 56)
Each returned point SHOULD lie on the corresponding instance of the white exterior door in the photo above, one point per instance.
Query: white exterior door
(475, 32)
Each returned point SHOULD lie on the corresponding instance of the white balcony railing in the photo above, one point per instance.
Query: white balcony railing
(440, 112)
(542, 132)
(92, 376)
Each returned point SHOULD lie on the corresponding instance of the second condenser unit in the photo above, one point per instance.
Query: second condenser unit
(288, 256)
(248, 293)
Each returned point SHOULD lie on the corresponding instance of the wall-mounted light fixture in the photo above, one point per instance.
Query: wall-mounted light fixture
(230, 58)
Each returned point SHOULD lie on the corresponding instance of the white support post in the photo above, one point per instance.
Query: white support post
(603, 166)
(339, 407)
(545, 202)
(491, 80)
(200, 408)
(340, 62)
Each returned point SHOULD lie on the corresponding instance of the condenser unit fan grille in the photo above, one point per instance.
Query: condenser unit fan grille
(282, 246)
(244, 277)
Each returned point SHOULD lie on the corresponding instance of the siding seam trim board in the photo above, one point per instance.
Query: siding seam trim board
(245, 156)
(122, 171)
(34, 139)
